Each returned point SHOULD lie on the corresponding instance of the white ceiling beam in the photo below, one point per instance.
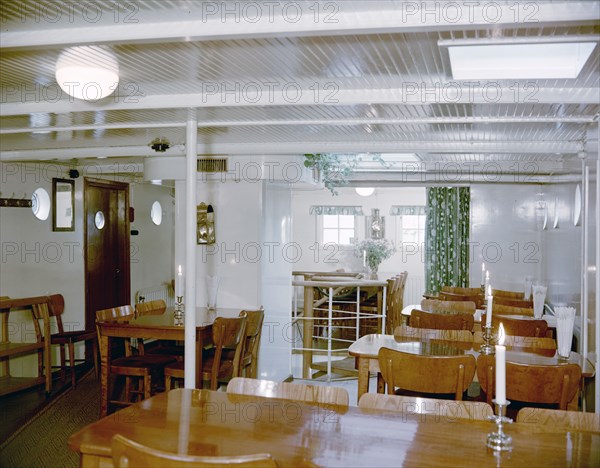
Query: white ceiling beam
(409, 94)
(210, 21)
(295, 148)
(578, 119)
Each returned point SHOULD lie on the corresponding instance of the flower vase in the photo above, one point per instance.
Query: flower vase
(373, 272)
(212, 288)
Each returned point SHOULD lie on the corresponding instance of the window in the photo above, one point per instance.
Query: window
(338, 229)
(336, 224)
(410, 224)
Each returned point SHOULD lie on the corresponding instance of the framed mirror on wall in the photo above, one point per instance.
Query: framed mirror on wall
(63, 205)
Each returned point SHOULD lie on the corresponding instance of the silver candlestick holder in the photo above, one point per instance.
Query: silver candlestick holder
(499, 441)
(488, 337)
(178, 314)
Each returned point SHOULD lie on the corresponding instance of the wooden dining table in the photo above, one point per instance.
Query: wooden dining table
(155, 326)
(366, 351)
(204, 422)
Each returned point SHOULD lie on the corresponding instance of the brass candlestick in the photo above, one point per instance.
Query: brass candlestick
(487, 347)
(499, 441)
(178, 314)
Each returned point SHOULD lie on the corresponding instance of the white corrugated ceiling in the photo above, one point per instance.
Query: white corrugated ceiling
(295, 77)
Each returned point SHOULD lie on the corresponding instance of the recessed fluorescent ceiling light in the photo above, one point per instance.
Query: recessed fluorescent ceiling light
(519, 61)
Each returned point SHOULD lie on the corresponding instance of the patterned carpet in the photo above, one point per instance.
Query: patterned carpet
(42, 442)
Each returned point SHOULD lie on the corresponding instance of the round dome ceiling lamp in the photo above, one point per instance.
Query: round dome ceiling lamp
(88, 73)
(365, 191)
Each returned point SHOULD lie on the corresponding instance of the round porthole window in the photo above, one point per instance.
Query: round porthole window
(40, 204)
(99, 220)
(156, 213)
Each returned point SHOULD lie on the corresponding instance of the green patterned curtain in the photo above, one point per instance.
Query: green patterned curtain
(447, 237)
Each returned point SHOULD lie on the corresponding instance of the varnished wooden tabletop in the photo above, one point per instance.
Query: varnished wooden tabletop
(202, 422)
(366, 350)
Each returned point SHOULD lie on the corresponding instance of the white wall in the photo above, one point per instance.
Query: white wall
(316, 257)
(506, 235)
(37, 261)
(152, 249)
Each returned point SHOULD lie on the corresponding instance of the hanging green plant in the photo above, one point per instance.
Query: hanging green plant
(335, 169)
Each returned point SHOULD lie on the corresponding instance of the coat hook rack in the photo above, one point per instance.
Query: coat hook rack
(24, 202)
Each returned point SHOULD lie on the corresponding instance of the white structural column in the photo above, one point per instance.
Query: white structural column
(190, 249)
(597, 274)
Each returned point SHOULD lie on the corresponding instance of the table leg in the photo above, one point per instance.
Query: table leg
(363, 377)
(308, 332)
(380, 383)
(104, 363)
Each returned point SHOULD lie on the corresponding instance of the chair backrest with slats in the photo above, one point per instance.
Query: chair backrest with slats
(501, 309)
(507, 294)
(448, 410)
(156, 307)
(559, 420)
(405, 331)
(507, 301)
(518, 327)
(116, 314)
(326, 395)
(462, 291)
(254, 323)
(450, 296)
(532, 383)
(448, 307)
(421, 319)
(128, 453)
(228, 333)
(427, 374)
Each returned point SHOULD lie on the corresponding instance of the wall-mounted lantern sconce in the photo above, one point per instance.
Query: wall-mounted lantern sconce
(375, 228)
(205, 220)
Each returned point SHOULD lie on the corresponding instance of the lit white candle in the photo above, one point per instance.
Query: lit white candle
(501, 368)
(482, 273)
(488, 314)
(179, 282)
(487, 281)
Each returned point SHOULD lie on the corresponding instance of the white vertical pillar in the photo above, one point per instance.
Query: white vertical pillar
(191, 144)
(597, 273)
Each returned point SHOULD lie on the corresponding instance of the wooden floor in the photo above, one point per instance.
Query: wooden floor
(18, 408)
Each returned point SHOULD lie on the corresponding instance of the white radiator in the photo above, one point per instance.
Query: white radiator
(414, 289)
(164, 292)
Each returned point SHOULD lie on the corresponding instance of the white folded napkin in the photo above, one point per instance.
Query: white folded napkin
(565, 318)
(527, 289)
(539, 297)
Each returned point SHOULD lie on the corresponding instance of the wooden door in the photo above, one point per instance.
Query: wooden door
(107, 281)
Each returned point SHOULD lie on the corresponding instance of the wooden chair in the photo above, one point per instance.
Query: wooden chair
(517, 327)
(140, 367)
(527, 342)
(500, 309)
(421, 319)
(395, 301)
(218, 363)
(405, 331)
(558, 420)
(56, 307)
(126, 454)
(507, 301)
(426, 374)
(289, 391)
(163, 347)
(448, 307)
(252, 344)
(447, 409)
(532, 383)
(452, 293)
(507, 294)
(156, 307)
